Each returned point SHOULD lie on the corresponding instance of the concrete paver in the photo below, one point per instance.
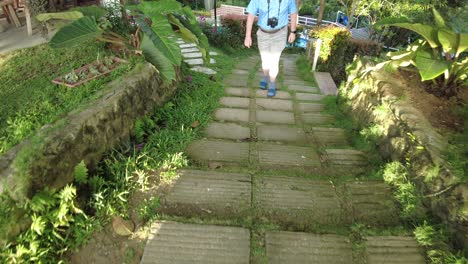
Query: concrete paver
(281, 133)
(275, 117)
(172, 242)
(299, 202)
(213, 150)
(274, 104)
(211, 193)
(274, 155)
(236, 102)
(297, 247)
(393, 250)
(227, 131)
(233, 115)
(242, 92)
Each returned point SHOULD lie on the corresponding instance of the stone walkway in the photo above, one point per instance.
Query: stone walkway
(280, 162)
(194, 58)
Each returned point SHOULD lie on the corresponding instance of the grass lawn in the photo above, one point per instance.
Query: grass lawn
(28, 98)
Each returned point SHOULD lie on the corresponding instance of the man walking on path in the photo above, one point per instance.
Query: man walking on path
(271, 35)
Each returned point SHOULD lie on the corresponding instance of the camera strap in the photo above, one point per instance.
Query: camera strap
(279, 8)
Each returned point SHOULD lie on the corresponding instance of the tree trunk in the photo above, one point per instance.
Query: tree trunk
(321, 11)
(351, 15)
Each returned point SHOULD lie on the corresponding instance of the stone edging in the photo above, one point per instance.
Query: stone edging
(49, 158)
(407, 134)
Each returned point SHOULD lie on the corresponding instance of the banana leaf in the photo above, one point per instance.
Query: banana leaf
(428, 66)
(157, 58)
(448, 39)
(70, 15)
(91, 11)
(429, 33)
(75, 33)
(158, 34)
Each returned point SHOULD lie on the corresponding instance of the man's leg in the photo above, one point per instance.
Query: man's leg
(263, 47)
(278, 44)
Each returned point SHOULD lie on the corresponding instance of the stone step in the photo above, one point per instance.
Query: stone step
(303, 88)
(234, 91)
(247, 64)
(346, 157)
(298, 202)
(309, 97)
(238, 72)
(393, 250)
(232, 115)
(210, 193)
(325, 136)
(190, 55)
(297, 247)
(310, 107)
(274, 104)
(280, 156)
(371, 202)
(198, 61)
(281, 133)
(172, 242)
(187, 45)
(275, 117)
(235, 102)
(227, 131)
(289, 82)
(325, 83)
(205, 151)
(236, 81)
(204, 70)
(189, 49)
(317, 119)
(279, 94)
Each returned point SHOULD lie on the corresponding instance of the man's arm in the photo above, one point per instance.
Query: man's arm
(248, 30)
(293, 24)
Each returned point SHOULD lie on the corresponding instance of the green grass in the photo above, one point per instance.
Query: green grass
(28, 98)
(304, 68)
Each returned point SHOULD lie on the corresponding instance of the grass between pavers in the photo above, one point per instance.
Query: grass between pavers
(28, 98)
(304, 69)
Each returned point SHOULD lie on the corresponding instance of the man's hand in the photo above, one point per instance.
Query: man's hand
(292, 37)
(248, 41)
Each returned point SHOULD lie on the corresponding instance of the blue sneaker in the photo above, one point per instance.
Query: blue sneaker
(271, 90)
(263, 83)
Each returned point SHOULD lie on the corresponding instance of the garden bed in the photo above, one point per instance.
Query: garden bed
(28, 98)
(89, 72)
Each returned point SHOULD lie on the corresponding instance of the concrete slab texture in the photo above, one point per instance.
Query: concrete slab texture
(282, 171)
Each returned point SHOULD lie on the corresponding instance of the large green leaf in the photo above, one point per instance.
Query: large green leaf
(462, 44)
(439, 20)
(428, 66)
(75, 33)
(159, 7)
(157, 58)
(70, 15)
(389, 21)
(429, 33)
(92, 11)
(159, 34)
(448, 39)
(191, 23)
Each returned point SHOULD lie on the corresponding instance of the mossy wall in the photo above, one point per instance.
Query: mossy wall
(405, 135)
(49, 158)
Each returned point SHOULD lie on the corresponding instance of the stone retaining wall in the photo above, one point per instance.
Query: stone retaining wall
(49, 158)
(408, 136)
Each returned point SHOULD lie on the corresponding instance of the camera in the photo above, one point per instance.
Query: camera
(272, 22)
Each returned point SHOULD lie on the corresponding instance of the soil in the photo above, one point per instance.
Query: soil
(440, 112)
(106, 246)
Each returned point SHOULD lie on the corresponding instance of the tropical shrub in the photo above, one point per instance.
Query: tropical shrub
(338, 50)
(156, 40)
(230, 36)
(437, 57)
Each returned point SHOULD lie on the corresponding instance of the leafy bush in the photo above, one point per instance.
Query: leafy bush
(437, 58)
(230, 36)
(338, 49)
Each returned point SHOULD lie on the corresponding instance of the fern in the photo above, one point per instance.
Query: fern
(139, 130)
(81, 173)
